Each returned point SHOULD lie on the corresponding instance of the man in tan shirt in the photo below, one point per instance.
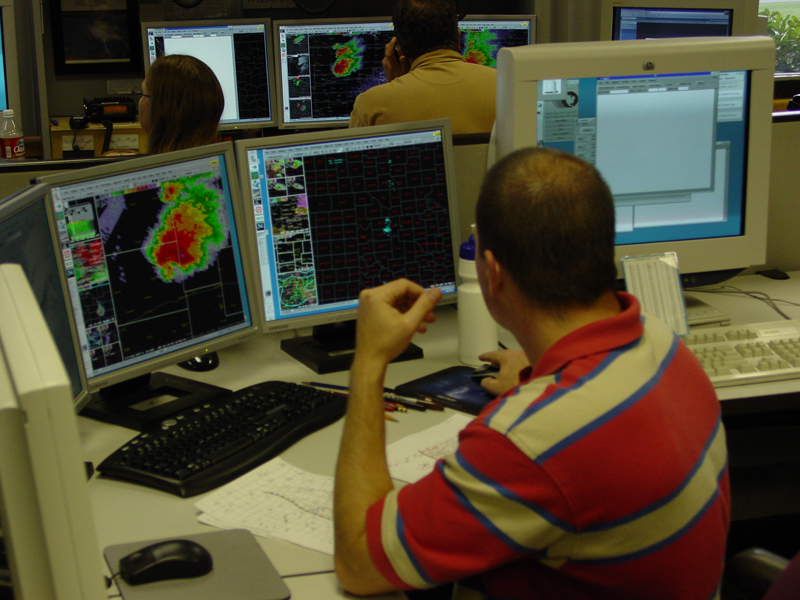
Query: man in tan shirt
(427, 77)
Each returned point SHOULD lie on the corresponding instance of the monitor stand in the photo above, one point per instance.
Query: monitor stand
(330, 348)
(145, 401)
(700, 314)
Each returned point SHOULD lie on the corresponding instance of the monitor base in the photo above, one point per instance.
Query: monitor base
(330, 349)
(145, 401)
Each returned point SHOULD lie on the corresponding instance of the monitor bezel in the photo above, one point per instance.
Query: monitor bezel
(276, 26)
(242, 148)
(516, 126)
(10, 56)
(269, 48)
(249, 273)
(745, 12)
(21, 201)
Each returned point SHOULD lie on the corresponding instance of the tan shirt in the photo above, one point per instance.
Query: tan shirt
(440, 84)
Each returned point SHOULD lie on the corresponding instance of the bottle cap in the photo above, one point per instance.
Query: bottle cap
(8, 113)
(467, 251)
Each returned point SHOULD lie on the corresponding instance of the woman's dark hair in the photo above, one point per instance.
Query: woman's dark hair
(186, 103)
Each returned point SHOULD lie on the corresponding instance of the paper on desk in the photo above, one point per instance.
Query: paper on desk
(275, 500)
(281, 501)
(413, 457)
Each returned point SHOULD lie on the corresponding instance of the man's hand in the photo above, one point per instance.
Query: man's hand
(511, 362)
(394, 63)
(389, 315)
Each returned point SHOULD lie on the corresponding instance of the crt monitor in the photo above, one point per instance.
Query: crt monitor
(324, 64)
(679, 128)
(156, 272)
(335, 212)
(46, 522)
(26, 239)
(9, 74)
(237, 50)
(643, 19)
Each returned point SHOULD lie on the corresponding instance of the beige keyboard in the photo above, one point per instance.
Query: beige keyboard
(739, 354)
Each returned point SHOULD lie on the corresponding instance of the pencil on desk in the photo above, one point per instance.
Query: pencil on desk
(388, 417)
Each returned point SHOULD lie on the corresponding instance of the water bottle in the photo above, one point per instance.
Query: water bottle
(477, 330)
(13, 144)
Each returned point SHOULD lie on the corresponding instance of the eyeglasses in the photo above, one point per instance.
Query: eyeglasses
(137, 94)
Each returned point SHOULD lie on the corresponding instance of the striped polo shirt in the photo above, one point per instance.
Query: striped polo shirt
(603, 475)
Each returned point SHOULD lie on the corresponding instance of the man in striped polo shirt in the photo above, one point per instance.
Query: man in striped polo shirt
(601, 474)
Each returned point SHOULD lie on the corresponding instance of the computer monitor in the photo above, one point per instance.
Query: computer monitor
(9, 73)
(46, 522)
(324, 64)
(26, 239)
(643, 19)
(332, 213)
(157, 273)
(482, 36)
(237, 50)
(679, 128)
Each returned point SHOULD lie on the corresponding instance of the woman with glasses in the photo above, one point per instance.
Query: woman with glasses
(180, 104)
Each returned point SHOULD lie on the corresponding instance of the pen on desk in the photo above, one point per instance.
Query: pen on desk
(327, 386)
(415, 403)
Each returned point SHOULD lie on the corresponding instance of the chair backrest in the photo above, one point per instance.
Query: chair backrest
(787, 586)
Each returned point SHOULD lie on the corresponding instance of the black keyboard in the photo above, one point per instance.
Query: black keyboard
(206, 446)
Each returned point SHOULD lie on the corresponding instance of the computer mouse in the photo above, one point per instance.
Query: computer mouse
(201, 362)
(487, 370)
(172, 559)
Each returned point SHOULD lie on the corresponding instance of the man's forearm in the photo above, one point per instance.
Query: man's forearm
(362, 477)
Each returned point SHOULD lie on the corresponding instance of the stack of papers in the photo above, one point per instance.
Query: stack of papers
(280, 501)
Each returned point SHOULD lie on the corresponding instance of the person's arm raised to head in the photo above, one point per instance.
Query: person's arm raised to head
(388, 317)
(394, 62)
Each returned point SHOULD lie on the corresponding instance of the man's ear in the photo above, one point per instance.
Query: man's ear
(495, 272)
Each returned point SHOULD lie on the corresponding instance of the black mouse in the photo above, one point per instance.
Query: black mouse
(201, 362)
(172, 559)
(487, 370)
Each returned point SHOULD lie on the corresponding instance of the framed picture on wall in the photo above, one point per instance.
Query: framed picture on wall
(96, 36)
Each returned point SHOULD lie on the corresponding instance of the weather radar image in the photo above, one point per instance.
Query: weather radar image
(482, 40)
(338, 216)
(324, 66)
(150, 261)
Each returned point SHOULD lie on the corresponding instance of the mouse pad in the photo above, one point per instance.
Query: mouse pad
(242, 571)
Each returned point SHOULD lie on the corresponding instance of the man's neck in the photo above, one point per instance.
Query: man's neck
(543, 328)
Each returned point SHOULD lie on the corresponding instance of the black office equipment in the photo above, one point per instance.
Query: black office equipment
(203, 447)
(170, 559)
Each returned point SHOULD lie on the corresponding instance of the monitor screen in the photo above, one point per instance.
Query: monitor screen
(26, 239)
(645, 23)
(238, 51)
(645, 19)
(336, 212)
(482, 36)
(153, 258)
(678, 128)
(324, 65)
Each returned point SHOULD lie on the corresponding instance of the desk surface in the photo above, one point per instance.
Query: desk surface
(126, 512)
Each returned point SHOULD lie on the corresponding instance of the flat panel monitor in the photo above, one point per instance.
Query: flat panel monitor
(46, 522)
(26, 239)
(332, 213)
(237, 50)
(482, 36)
(9, 74)
(324, 64)
(679, 128)
(644, 19)
(156, 269)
